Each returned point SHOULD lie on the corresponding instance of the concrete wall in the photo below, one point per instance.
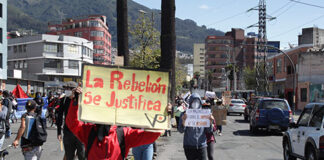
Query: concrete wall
(3, 45)
(311, 67)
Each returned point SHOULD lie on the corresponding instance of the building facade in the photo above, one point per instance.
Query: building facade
(3, 42)
(313, 35)
(199, 59)
(93, 28)
(48, 57)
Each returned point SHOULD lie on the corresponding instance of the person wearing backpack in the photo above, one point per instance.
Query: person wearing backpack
(3, 115)
(32, 133)
(7, 102)
(103, 142)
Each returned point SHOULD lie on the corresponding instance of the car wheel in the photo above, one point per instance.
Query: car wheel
(311, 154)
(286, 152)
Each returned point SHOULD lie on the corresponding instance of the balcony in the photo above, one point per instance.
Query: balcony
(53, 70)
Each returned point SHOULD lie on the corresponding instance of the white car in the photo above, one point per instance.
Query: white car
(305, 139)
(237, 106)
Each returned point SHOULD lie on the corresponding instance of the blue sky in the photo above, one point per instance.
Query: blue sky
(226, 14)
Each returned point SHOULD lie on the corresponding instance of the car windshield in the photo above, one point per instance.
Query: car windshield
(237, 101)
(269, 104)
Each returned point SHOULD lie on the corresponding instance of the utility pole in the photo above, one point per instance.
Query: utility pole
(122, 30)
(168, 41)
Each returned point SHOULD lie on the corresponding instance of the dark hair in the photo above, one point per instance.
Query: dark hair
(5, 93)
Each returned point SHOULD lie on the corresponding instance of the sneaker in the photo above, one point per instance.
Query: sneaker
(220, 134)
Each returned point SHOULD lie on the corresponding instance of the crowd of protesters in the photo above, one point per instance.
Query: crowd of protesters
(97, 141)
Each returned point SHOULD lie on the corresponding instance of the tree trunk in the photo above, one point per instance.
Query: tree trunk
(168, 42)
(122, 30)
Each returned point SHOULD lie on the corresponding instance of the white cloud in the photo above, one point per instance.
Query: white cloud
(204, 6)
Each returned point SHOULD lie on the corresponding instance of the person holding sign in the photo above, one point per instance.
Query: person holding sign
(195, 140)
(219, 112)
(103, 142)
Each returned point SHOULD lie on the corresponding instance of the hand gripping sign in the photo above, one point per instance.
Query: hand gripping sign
(126, 97)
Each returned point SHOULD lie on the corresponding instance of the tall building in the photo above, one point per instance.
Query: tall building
(3, 42)
(48, 57)
(93, 28)
(313, 35)
(199, 59)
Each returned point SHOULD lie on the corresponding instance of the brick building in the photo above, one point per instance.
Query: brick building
(93, 28)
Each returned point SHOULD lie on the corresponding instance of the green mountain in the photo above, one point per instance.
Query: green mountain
(35, 14)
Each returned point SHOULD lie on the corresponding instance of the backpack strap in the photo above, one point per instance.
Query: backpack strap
(91, 138)
(121, 140)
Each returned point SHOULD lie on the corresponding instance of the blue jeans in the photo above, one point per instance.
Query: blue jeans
(144, 152)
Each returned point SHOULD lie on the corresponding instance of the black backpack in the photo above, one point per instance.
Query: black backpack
(38, 133)
(120, 137)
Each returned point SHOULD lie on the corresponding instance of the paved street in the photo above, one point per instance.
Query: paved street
(235, 144)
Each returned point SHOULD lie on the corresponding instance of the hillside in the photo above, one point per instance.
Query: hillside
(35, 14)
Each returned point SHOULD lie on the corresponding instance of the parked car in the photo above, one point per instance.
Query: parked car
(249, 106)
(270, 113)
(236, 106)
(305, 139)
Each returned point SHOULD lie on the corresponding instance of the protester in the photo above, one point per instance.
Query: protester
(70, 141)
(211, 140)
(105, 143)
(30, 150)
(180, 108)
(7, 102)
(3, 115)
(194, 140)
(219, 106)
(144, 152)
(14, 108)
(40, 103)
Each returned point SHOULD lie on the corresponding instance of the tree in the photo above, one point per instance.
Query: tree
(181, 75)
(249, 75)
(145, 44)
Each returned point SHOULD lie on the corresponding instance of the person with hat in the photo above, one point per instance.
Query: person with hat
(29, 150)
(70, 141)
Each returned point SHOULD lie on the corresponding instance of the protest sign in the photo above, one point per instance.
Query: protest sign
(197, 118)
(220, 116)
(126, 97)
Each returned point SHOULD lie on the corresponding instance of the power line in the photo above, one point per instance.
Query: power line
(285, 10)
(227, 18)
(280, 8)
(292, 29)
(308, 4)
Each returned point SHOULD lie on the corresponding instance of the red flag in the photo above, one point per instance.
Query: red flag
(18, 92)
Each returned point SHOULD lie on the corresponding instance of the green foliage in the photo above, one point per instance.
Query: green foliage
(35, 14)
(181, 75)
(146, 44)
(249, 78)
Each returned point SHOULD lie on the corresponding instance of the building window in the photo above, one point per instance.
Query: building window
(21, 64)
(9, 48)
(98, 51)
(78, 34)
(99, 43)
(52, 63)
(1, 10)
(73, 64)
(94, 24)
(97, 33)
(1, 34)
(279, 64)
(303, 94)
(73, 49)
(16, 64)
(50, 47)
(24, 47)
(1, 59)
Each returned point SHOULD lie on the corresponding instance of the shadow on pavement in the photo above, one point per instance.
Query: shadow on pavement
(260, 133)
(241, 121)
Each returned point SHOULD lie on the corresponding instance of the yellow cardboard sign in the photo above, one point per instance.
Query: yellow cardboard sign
(126, 97)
